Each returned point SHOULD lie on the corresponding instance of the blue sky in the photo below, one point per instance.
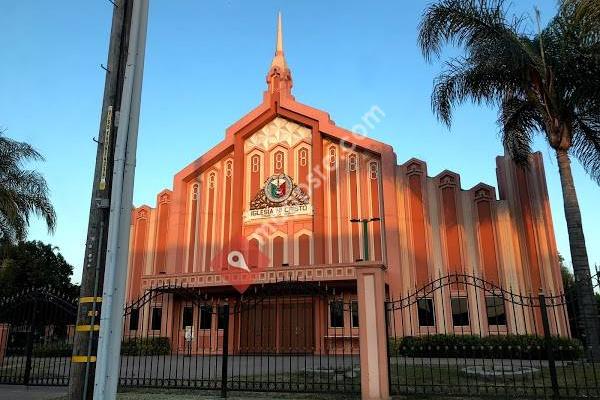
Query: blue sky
(205, 68)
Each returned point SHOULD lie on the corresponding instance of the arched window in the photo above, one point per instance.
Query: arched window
(254, 253)
(352, 162)
(278, 252)
(255, 174)
(303, 157)
(373, 170)
(255, 162)
(212, 180)
(304, 249)
(332, 157)
(193, 219)
(279, 162)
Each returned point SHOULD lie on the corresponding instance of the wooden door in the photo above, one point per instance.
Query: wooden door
(296, 329)
(257, 328)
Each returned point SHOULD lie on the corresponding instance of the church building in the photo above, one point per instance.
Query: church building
(313, 201)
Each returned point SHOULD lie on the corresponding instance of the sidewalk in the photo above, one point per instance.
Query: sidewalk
(17, 392)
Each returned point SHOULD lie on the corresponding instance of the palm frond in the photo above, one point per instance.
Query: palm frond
(498, 59)
(586, 145)
(519, 120)
(23, 192)
(468, 24)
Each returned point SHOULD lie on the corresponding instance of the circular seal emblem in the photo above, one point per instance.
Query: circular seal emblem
(278, 188)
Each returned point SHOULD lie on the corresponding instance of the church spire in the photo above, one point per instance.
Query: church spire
(279, 57)
(279, 77)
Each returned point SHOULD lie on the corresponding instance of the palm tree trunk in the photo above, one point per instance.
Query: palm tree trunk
(588, 318)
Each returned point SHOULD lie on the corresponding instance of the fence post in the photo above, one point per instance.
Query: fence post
(225, 354)
(548, 345)
(4, 332)
(29, 344)
(374, 379)
(387, 345)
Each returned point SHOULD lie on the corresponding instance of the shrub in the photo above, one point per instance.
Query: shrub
(53, 349)
(153, 346)
(493, 346)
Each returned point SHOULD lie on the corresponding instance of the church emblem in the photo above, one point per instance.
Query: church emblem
(278, 188)
(279, 197)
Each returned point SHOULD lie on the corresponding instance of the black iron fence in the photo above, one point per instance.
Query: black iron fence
(458, 335)
(286, 337)
(461, 335)
(36, 337)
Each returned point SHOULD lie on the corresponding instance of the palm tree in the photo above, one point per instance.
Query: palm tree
(22, 192)
(587, 9)
(543, 82)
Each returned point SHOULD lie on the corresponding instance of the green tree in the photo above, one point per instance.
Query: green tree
(23, 192)
(33, 264)
(567, 276)
(543, 82)
(570, 292)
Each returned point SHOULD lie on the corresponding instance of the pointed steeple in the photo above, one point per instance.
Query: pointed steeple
(279, 59)
(279, 76)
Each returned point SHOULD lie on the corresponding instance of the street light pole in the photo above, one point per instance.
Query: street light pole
(365, 225)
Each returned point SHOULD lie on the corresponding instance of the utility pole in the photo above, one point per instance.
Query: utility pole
(85, 339)
(365, 224)
(117, 249)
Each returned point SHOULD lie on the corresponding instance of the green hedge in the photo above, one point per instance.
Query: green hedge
(494, 346)
(155, 346)
(53, 349)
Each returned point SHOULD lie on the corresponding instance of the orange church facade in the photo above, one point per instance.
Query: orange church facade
(428, 227)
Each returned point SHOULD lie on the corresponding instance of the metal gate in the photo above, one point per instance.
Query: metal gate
(461, 335)
(281, 337)
(36, 337)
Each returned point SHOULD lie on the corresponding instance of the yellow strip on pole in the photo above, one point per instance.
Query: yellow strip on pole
(83, 359)
(90, 299)
(87, 328)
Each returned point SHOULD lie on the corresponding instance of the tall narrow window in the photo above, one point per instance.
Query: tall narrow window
(426, 312)
(279, 166)
(187, 318)
(496, 314)
(254, 253)
(373, 170)
(352, 162)
(156, 318)
(332, 158)
(304, 249)
(223, 316)
(460, 311)
(303, 172)
(278, 251)
(205, 316)
(354, 313)
(255, 163)
(336, 314)
(134, 319)
(193, 227)
(303, 157)
(255, 176)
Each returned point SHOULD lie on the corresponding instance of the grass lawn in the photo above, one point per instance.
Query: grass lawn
(573, 380)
